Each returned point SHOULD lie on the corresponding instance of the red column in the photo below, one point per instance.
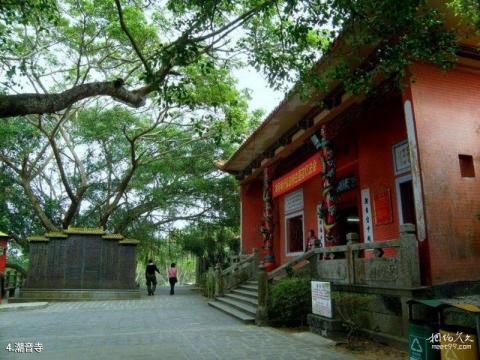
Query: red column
(267, 227)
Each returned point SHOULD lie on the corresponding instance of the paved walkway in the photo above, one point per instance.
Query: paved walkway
(159, 327)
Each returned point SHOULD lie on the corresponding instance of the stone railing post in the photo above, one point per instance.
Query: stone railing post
(219, 285)
(409, 265)
(210, 291)
(254, 263)
(314, 266)
(8, 283)
(350, 264)
(262, 309)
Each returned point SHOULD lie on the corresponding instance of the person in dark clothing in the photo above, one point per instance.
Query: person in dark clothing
(150, 277)
(172, 278)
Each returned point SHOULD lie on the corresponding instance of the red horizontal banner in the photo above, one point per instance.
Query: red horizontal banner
(297, 176)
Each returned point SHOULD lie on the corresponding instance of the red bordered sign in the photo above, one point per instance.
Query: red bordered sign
(297, 176)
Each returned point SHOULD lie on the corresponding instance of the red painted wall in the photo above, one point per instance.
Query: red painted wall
(383, 128)
(447, 115)
(252, 215)
(3, 258)
(364, 148)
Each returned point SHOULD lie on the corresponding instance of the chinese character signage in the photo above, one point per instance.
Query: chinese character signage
(294, 201)
(346, 183)
(367, 216)
(297, 176)
(321, 298)
(401, 158)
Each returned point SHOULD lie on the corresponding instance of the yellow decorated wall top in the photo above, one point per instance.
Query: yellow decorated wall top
(129, 242)
(84, 230)
(56, 234)
(112, 236)
(38, 238)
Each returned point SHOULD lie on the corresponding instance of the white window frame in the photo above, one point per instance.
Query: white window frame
(289, 216)
(398, 181)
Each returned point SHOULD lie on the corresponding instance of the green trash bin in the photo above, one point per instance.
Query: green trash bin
(419, 341)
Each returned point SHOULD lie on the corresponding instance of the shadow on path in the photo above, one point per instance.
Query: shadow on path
(181, 326)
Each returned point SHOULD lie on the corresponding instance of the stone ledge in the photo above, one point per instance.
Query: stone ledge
(55, 295)
(23, 306)
(324, 326)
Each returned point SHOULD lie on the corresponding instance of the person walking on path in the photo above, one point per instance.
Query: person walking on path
(172, 278)
(150, 277)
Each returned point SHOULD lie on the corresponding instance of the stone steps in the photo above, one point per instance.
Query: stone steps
(247, 293)
(240, 315)
(249, 287)
(240, 303)
(244, 299)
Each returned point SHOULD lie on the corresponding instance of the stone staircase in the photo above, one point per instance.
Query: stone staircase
(240, 302)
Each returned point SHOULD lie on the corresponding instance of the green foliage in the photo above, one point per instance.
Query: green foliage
(17, 217)
(290, 301)
(351, 309)
(468, 11)
(212, 241)
(185, 49)
(207, 284)
(164, 251)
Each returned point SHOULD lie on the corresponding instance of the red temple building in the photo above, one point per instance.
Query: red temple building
(3, 259)
(366, 166)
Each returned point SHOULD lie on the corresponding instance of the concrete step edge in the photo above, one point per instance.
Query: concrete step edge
(245, 318)
(248, 309)
(245, 299)
(252, 294)
(23, 306)
(249, 287)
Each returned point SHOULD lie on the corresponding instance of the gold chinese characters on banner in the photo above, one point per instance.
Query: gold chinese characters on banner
(297, 176)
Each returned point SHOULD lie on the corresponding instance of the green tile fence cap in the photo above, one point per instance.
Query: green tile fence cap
(471, 305)
(428, 302)
(112, 236)
(37, 238)
(84, 230)
(129, 242)
(56, 234)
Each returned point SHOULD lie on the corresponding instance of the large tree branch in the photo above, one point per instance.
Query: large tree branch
(122, 187)
(24, 104)
(135, 46)
(25, 182)
(75, 204)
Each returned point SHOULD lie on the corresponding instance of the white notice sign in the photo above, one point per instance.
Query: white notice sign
(294, 201)
(321, 298)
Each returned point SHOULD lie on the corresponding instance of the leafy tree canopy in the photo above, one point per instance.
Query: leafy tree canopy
(56, 54)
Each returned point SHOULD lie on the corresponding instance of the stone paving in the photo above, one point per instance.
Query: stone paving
(159, 327)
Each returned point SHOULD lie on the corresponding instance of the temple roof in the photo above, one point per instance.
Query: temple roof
(263, 148)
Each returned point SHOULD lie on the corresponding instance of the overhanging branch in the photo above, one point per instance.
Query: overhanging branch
(24, 104)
